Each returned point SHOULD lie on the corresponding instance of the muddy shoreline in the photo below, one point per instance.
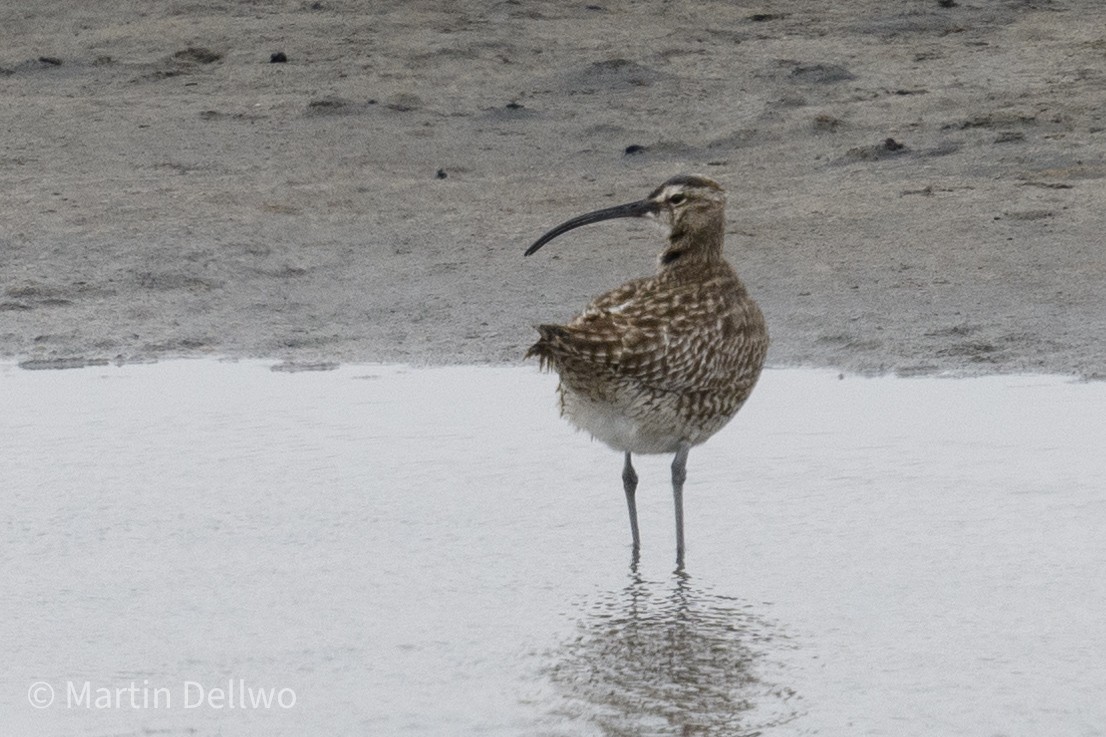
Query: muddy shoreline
(917, 189)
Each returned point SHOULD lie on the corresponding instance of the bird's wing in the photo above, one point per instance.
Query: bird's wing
(645, 331)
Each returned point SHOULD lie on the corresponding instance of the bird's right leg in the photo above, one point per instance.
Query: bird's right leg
(629, 484)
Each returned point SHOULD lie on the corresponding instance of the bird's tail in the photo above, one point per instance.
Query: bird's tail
(545, 350)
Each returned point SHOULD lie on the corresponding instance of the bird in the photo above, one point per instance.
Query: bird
(663, 362)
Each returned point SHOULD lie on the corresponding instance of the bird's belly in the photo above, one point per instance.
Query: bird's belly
(635, 424)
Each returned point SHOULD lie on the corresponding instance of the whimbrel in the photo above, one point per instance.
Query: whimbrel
(661, 363)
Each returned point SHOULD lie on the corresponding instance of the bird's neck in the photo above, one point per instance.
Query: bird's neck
(701, 244)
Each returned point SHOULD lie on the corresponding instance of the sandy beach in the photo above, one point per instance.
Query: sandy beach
(913, 188)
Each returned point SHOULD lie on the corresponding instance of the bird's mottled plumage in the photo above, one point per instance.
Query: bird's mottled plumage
(661, 363)
(669, 358)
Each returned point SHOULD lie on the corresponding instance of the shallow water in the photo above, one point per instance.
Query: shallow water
(428, 552)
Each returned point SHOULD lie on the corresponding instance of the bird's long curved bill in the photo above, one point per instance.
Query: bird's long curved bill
(637, 209)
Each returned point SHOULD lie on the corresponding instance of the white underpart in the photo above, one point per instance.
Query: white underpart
(613, 428)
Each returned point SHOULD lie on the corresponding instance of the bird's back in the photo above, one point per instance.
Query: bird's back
(659, 361)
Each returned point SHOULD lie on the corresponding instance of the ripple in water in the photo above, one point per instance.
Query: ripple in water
(670, 658)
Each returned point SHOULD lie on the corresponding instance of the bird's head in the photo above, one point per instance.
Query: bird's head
(683, 204)
(688, 202)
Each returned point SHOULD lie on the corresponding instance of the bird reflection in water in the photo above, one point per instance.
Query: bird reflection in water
(671, 659)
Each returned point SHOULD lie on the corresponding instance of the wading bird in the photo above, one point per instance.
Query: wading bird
(661, 363)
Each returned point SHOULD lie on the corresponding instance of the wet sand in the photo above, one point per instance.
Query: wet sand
(913, 188)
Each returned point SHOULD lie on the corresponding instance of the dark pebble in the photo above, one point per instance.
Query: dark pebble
(441, 174)
(634, 149)
(278, 58)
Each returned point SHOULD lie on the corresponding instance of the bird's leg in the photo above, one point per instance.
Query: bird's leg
(679, 475)
(629, 484)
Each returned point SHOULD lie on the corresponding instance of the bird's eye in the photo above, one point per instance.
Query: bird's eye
(677, 198)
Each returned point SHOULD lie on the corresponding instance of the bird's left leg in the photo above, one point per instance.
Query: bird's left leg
(679, 475)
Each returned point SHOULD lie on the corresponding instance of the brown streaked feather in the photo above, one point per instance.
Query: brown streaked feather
(657, 332)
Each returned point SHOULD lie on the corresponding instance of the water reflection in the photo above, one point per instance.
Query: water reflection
(670, 658)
